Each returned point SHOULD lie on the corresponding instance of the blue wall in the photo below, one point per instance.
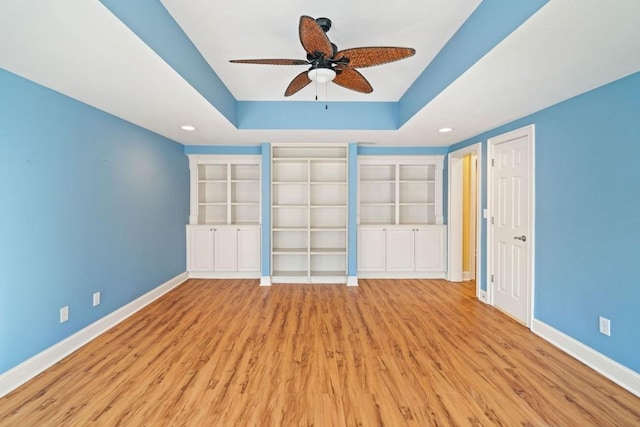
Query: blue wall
(588, 216)
(89, 203)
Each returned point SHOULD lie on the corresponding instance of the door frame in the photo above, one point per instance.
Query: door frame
(529, 131)
(454, 213)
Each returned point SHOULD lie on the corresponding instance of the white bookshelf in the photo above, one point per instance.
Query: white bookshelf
(223, 235)
(309, 194)
(400, 219)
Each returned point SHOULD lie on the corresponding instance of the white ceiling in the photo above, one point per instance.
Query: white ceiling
(79, 48)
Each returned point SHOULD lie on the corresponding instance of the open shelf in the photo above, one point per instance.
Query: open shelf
(309, 193)
(400, 190)
(226, 188)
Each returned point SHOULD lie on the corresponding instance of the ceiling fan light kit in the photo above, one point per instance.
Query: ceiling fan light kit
(321, 75)
(328, 64)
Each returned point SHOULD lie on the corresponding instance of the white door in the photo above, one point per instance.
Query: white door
(430, 249)
(511, 225)
(200, 248)
(249, 249)
(226, 249)
(400, 249)
(371, 249)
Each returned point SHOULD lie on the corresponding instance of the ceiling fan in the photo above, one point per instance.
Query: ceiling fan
(328, 63)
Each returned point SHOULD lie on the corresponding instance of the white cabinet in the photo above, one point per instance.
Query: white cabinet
(309, 194)
(223, 251)
(249, 249)
(200, 249)
(401, 251)
(430, 249)
(371, 249)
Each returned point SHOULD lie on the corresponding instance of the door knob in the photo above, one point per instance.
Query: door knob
(523, 238)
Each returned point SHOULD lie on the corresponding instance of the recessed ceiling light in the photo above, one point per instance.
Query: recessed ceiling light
(444, 130)
(188, 127)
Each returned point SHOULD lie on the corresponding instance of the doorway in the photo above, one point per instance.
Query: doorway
(510, 242)
(464, 216)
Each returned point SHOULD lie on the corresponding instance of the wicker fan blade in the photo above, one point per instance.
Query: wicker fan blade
(351, 79)
(299, 81)
(270, 61)
(361, 57)
(313, 38)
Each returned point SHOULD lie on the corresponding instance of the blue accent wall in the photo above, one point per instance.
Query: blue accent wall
(587, 216)
(223, 149)
(314, 115)
(266, 209)
(89, 203)
(401, 151)
(352, 268)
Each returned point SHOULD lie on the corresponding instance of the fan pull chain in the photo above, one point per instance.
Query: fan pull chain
(326, 96)
(316, 82)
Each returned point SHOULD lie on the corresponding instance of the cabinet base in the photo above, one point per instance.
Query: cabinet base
(224, 275)
(402, 275)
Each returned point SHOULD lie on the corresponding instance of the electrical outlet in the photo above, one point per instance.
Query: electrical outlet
(605, 326)
(96, 298)
(64, 314)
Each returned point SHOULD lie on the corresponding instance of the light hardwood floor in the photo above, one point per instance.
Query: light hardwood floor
(393, 353)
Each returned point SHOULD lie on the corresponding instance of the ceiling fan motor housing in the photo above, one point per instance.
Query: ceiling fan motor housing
(324, 23)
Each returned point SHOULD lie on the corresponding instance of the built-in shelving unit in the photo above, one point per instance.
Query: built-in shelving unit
(400, 231)
(309, 213)
(223, 235)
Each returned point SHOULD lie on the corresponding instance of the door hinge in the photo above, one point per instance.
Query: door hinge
(492, 278)
(491, 220)
(493, 162)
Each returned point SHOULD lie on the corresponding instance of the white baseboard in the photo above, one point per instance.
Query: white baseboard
(467, 275)
(352, 280)
(611, 369)
(482, 296)
(28, 369)
(402, 275)
(265, 281)
(224, 275)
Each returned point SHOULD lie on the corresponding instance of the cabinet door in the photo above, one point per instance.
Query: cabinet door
(371, 249)
(226, 249)
(400, 249)
(200, 248)
(430, 254)
(249, 249)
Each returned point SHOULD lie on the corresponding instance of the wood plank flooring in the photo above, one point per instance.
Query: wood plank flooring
(392, 353)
